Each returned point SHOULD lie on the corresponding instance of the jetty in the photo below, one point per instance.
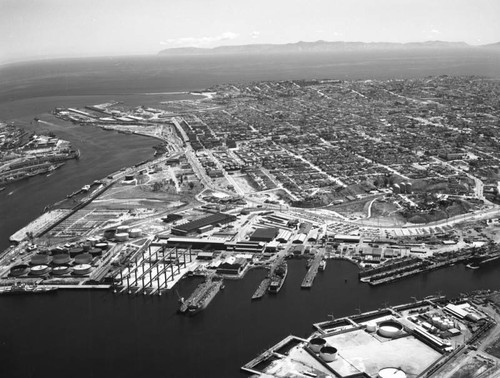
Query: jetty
(261, 290)
(308, 280)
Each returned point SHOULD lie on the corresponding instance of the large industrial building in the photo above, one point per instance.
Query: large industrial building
(264, 234)
(202, 224)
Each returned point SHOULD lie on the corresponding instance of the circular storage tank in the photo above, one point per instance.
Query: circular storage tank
(102, 246)
(316, 344)
(123, 229)
(60, 270)
(135, 233)
(84, 258)
(391, 373)
(390, 329)
(57, 250)
(60, 259)
(371, 327)
(86, 247)
(95, 252)
(110, 233)
(81, 269)
(121, 236)
(328, 353)
(73, 252)
(40, 270)
(19, 270)
(39, 260)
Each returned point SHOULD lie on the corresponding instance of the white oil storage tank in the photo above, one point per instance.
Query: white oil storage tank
(82, 269)
(121, 236)
(135, 233)
(39, 270)
(328, 353)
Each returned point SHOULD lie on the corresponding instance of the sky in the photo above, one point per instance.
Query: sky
(39, 29)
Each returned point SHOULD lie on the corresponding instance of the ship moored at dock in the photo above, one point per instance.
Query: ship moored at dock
(202, 296)
(278, 278)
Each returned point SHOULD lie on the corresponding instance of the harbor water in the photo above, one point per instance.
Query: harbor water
(101, 334)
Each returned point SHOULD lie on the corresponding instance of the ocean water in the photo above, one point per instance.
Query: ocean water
(98, 334)
(146, 74)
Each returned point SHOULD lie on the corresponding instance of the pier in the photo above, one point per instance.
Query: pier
(261, 290)
(312, 271)
(413, 269)
(276, 352)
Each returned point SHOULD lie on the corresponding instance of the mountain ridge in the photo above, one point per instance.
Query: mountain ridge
(318, 46)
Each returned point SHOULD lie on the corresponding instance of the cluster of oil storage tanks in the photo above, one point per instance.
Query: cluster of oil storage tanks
(319, 346)
(61, 261)
(403, 188)
(122, 233)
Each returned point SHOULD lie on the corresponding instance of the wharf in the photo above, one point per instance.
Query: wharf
(396, 275)
(261, 290)
(258, 364)
(312, 271)
(78, 287)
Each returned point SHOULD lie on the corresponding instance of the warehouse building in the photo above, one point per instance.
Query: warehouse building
(198, 225)
(264, 234)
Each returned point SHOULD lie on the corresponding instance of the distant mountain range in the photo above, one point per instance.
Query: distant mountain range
(319, 47)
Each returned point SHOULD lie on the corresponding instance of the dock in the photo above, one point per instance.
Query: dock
(263, 360)
(411, 270)
(261, 290)
(312, 271)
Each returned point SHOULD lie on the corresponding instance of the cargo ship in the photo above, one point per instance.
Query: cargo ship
(278, 278)
(478, 261)
(202, 296)
(21, 288)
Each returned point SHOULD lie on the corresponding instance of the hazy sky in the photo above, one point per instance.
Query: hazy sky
(57, 28)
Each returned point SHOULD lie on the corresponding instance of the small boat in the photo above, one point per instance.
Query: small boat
(2, 188)
(472, 266)
(322, 265)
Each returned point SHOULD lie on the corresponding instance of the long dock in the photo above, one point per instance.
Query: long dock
(312, 271)
(398, 274)
(261, 290)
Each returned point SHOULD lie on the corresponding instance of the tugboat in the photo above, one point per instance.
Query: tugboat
(278, 278)
(22, 288)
